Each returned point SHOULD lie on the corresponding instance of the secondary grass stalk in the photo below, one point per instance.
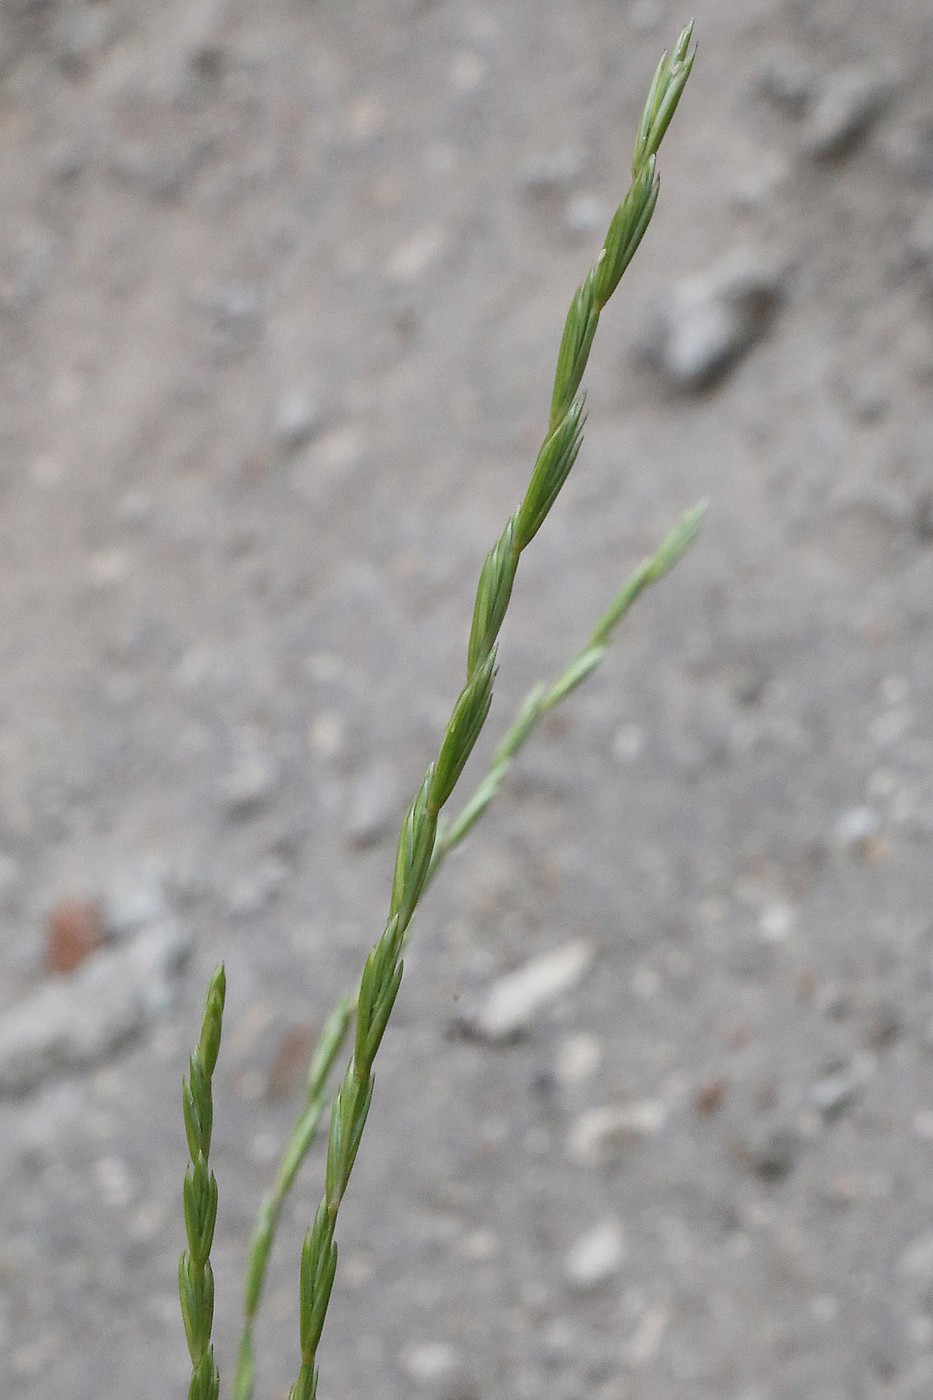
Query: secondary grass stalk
(195, 1277)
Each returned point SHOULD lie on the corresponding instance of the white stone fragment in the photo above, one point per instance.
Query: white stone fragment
(428, 1363)
(596, 1257)
(855, 826)
(578, 1058)
(602, 1133)
(513, 1001)
(295, 420)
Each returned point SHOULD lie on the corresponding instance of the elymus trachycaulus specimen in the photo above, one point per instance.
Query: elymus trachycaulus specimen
(426, 838)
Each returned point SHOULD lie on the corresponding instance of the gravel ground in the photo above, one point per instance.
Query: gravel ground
(281, 286)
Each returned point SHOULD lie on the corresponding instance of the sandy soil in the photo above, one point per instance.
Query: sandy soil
(281, 286)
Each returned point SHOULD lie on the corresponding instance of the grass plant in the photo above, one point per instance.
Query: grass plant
(195, 1277)
(426, 839)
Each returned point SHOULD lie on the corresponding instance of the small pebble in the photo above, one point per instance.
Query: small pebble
(249, 784)
(512, 1002)
(697, 331)
(414, 258)
(601, 1134)
(429, 1363)
(755, 187)
(645, 1343)
(114, 1180)
(596, 1257)
(836, 1092)
(709, 1098)
(234, 319)
(628, 742)
(264, 1148)
(289, 1068)
(855, 827)
(850, 101)
(775, 922)
(295, 421)
(578, 1059)
(137, 900)
(326, 734)
(35, 1355)
(922, 1124)
(585, 213)
(787, 80)
(333, 458)
(76, 929)
(479, 1246)
(773, 1153)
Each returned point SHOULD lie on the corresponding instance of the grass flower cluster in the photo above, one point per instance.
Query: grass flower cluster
(426, 838)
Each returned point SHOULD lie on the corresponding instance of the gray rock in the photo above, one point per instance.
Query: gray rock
(855, 827)
(71, 1023)
(250, 783)
(697, 331)
(585, 214)
(787, 80)
(837, 1091)
(295, 421)
(850, 101)
(513, 1001)
(596, 1257)
(136, 901)
(233, 319)
(772, 1152)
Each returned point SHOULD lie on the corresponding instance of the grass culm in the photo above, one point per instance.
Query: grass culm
(359, 1022)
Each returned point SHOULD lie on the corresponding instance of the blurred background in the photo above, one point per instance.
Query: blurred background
(281, 288)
